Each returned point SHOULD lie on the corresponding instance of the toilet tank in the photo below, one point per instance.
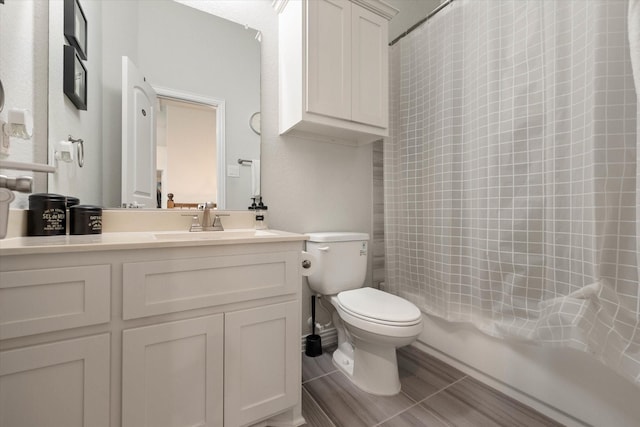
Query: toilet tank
(341, 261)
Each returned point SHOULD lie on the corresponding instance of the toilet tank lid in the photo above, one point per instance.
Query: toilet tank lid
(337, 236)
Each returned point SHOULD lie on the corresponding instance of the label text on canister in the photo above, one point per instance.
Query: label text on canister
(53, 219)
(95, 222)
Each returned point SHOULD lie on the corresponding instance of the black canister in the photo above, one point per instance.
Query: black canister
(85, 219)
(72, 201)
(47, 215)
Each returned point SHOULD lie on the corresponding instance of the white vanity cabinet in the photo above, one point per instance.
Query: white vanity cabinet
(334, 69)
(205, 335)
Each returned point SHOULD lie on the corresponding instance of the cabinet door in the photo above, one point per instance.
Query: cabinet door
(65, 383)
(370, 82)
(329, 58)
(172, 374)
(262, 362)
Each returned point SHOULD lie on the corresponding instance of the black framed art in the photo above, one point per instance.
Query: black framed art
(75, 26)
(75, 78)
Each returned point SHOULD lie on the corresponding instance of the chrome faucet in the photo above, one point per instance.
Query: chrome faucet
(206, 215)
(207, 223)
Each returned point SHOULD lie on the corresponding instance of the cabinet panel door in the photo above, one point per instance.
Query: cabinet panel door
(262, 362)
(329, 58)
(65, 383)
(370, 82)
(168, 286)
(172, 374)
(51, 299)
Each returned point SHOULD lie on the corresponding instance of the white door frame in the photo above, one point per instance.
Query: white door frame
(218, 104)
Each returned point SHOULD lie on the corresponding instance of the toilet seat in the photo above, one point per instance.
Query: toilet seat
(372, 305)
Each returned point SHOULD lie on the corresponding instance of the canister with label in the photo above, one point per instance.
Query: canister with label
(47, 215)
(85, 219)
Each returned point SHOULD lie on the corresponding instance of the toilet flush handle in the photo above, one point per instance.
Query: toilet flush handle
(324, 249)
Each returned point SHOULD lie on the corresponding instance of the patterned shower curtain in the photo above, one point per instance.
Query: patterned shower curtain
(510, 174)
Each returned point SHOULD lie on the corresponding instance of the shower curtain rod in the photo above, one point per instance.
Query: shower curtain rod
(422, 21)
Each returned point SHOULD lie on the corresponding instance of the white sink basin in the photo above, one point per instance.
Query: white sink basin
(214, 235)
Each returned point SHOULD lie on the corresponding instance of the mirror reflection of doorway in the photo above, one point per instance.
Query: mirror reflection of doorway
(186, 151)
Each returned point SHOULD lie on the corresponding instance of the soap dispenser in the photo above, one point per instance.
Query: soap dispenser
(260, 212)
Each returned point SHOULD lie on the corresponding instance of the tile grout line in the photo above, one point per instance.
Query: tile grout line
(319, 376)
(318, 406)
(405, 409)
(419, 402)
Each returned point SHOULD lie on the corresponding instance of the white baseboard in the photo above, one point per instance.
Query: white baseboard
(328, 337)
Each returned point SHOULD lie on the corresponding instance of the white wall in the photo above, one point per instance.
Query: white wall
(23, 71)
(65, 119)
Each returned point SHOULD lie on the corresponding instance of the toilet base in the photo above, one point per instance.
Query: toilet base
(371, 368)
(343, 359)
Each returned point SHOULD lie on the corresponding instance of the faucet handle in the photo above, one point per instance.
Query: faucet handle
(217, 222)
(195, 223)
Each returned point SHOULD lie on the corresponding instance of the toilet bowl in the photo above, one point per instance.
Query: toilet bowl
(368, 358)
(371, 324)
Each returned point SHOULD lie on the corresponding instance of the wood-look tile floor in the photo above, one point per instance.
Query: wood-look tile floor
(433, 394)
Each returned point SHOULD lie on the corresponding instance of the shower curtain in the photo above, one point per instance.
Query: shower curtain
(511, 174)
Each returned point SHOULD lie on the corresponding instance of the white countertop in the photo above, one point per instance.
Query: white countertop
(141, 240)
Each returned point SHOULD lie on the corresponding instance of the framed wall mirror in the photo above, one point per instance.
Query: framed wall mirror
(177, 49)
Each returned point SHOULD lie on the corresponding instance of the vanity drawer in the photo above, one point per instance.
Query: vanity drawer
(168, 286)
(52, 299)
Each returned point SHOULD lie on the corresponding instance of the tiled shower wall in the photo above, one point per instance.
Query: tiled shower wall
(377, 241)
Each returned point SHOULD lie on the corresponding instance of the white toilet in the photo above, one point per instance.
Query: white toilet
(370, 323)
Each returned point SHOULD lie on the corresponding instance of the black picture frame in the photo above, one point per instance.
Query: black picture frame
(75, 78)
(75, 26)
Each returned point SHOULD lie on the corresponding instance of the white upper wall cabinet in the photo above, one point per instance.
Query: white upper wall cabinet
(329, 58)
(370, 68)
(334, 69)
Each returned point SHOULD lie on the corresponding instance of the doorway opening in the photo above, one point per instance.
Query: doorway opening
(190, 161)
